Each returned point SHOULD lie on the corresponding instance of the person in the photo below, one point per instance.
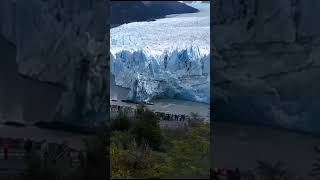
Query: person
(28, 147)
(45, 151)
(237, 174)
(6, 150)
(183, 117)
(214, 174)
(65, 150)
(230, 175)
(81, 159)
(223, 174)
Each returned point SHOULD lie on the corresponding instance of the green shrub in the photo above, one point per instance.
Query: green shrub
(146, 129)
(120, 123)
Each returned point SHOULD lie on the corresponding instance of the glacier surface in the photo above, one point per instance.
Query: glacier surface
(168, 57)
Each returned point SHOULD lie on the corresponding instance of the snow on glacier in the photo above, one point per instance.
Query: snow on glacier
(168, 57)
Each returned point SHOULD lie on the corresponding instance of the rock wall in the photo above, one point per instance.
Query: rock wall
(62, 42)
(266, 62)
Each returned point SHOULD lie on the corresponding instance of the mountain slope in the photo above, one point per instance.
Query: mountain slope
(130, 11)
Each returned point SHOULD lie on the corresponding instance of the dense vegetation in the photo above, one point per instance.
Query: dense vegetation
(140, 149)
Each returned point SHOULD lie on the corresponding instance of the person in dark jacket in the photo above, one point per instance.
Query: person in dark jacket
(6, 148)
(237, 174)
(28, 147)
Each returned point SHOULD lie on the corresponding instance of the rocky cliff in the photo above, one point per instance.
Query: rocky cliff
(62, 43)
(267, 62)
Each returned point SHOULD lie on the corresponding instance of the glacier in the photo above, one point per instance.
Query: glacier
(168, 57)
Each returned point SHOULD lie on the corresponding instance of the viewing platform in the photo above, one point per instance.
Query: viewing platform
(172, 113)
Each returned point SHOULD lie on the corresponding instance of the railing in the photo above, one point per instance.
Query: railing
(166, 120)
(17, 154)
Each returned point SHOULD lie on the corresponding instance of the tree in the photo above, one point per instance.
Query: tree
(120, 123)
(131, 160)
(146, 151)
(146, 128)
(190, 157)
(118, 155)
(195, 120)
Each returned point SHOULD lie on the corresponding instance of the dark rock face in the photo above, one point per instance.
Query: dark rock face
(267, 62)
(130, 11)
(23, 99)
(62, 43)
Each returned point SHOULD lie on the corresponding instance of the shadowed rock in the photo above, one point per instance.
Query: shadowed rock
(267, 62)
(60, 43)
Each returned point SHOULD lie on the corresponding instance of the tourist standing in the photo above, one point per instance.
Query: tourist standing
(28, 147)
(45, 151)
(223, 174)
(237, 174)
(6, 150)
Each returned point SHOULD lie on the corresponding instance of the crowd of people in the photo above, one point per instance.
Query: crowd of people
(128, 110)
(10, 147)
(163, 116)
(172, 117)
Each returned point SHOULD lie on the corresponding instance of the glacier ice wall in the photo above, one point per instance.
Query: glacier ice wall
(181, 74)
(168, 57)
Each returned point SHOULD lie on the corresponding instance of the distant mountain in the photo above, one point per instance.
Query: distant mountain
(130, 11)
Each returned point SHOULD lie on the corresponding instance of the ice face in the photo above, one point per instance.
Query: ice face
(168, 57)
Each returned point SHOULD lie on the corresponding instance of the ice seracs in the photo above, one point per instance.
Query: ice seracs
(168, 57)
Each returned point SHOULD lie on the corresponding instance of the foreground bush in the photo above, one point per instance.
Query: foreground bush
(146, 151)
(146, 129)
(120, 123)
